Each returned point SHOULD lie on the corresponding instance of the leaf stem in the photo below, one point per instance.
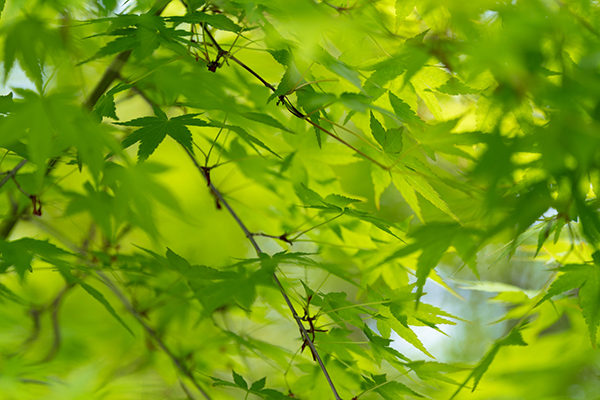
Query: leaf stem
(351, 132)
(339, 139)
(354, 306)
(215, 141)
(316, 226)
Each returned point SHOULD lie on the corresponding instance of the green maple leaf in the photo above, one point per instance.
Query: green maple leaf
(390, 140)
(27, 41)
(586, 277)
(218, 21)
(20, 253)
(589, 299)
(154, 130)
(239, 381)
(403, 111)
(514, 338)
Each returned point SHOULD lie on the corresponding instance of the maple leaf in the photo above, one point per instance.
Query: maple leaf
(154, 130)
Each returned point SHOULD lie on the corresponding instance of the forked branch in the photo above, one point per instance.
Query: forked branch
(305, 335)
(185, 371)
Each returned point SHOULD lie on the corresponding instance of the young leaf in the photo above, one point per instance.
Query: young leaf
(377, 130)
(514, 338)
(408, 193)
(20, 253)
(393, 390)
(290, 80)
(390, 140)
(403, 9)
(403, 111)
(338, 67)
(403, 330)
(572, 276)
(381, 180)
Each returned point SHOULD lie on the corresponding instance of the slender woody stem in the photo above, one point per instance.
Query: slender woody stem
(247, 68)
(296, 113)
(151, 332)
(316, 226)
(10, 174)
(250, 237)
(114, 69)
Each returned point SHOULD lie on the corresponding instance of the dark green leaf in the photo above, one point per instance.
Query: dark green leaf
(259, 384)
(153, 131)
(218, 21)
(239, 381)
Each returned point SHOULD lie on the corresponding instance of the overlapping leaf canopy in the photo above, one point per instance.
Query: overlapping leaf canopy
(277, 199)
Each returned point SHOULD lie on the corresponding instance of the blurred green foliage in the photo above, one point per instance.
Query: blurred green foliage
(194, 193)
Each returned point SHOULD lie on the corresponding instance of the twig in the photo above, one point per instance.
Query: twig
(186, 390)
(57, 339)
(11, 174)
(114, 69)
(247, 68)
(104, 278)
(111, 73)
(316, 226)
(250, 237)
(293, 110)
(221, 200)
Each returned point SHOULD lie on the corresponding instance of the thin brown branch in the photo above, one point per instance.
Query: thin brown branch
(247, 68)
(294, 111)
(186, 372)
(316, 226)
(111, 73)
(221, 200)
(56, 335)
(11, 174)
(114, 69)
(250, 237)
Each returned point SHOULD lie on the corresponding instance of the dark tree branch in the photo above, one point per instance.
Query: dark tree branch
(221, 200)
(114, 69)
(111, 73)
(186, 372)
(57, 338)
(11, 174)
(10, 221)
(247, 68)
(250, 237)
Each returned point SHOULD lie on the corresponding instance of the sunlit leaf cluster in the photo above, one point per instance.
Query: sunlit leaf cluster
(299, 199)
